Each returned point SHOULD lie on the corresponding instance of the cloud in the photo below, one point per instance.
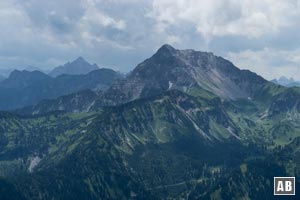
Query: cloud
(214, 18)
(270, 63)
(39, 30)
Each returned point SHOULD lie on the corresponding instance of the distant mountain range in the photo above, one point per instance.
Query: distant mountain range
(183, 124)
(23, 88)
(4, 73)
(286, 82)
(77, 67)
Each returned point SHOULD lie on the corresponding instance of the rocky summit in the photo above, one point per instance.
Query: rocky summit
(184, 70)
(76, 67)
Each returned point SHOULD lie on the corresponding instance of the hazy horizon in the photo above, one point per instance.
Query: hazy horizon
(33, 68)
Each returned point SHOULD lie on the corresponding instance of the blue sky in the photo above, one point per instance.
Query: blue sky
(260, 35)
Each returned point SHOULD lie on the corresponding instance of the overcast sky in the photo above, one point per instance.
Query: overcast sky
(260, 35)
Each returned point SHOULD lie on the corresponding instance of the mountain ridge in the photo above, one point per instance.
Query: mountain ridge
(76, 67)
(24, 88)
(187, 71)
(286, 82)
(170, 68)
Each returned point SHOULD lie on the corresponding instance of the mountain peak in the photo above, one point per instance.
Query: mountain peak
(166, 48)
(284, 81)
(24, 78)
(80, 59)
(78, 66)
(185, 70)
(15, 74)
(283, 78)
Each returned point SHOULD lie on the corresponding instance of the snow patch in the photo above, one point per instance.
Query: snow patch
(170, 85)
(33, 163)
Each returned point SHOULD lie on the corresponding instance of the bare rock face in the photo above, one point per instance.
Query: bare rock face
(170, 68)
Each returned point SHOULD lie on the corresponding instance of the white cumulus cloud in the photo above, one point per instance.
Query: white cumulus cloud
(215, 18)
(270, 63)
